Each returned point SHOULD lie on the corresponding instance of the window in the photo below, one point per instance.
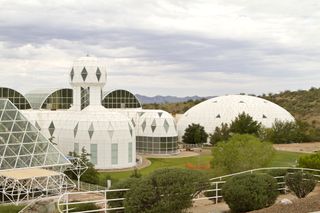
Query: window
(15, 97)
(93, 153)
(130, 152)
(76, 148)
(157, 145)
(85, 97)
(120, 99)
(114, 154)
(60, 99)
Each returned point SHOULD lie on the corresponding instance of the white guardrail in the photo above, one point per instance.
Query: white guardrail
(69, 200)
(217, 182)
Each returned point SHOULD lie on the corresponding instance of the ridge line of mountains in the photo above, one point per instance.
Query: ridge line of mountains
(159, 99)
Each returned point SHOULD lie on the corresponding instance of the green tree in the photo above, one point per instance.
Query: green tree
(240, 153)
(91, 175)
(221, 133)
(165, 190)
(195, 134)
(244, 124)
(286, 132)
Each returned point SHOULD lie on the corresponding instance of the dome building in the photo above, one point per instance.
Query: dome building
(224, 109)
(107, 135)
(156, 131)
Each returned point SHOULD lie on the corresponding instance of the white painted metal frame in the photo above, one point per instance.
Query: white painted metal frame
(65, 204)
(19, 190)
(218, 182)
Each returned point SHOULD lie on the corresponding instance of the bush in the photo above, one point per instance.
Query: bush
(310, 161)
(250, 192)
(195, 134)
(239, 153)
(286, 132)
(278, 173)
(123, 184)
(300, 183)
(165, 190)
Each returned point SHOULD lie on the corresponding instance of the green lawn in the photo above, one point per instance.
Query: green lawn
(281, 158)
(10, 208)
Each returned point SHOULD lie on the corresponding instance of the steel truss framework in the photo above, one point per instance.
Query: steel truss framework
(24, 150)
(19, 190)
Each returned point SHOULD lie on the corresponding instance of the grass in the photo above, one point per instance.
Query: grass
(286, 159)
(280, 158)
(10, 208)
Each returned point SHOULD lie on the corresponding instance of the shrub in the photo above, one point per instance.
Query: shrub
(310, 161)
(300, 183)
(123, 184)
(239, 153)
(165, 190)
(286, 132)
(277, 173)
(195, 134)
(250, 192)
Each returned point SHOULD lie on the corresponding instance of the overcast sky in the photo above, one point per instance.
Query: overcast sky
(177, 47)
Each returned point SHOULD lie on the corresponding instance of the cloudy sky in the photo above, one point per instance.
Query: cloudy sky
(166, 47)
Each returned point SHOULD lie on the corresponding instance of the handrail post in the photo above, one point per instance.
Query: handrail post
(217, 192)
(105, 201)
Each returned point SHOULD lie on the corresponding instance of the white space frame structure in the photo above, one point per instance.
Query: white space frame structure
(30, 165)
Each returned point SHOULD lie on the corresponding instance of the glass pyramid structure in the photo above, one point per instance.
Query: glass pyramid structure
(21, 143)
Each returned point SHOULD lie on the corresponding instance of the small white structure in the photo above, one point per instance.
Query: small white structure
(156, 131)
(215, 111)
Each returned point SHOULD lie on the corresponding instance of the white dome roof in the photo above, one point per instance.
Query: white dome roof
(215, 111)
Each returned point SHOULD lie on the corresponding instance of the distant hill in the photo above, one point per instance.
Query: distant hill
(304, 105)
(167, 99)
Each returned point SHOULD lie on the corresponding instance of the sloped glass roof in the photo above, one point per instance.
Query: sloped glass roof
(21, 143)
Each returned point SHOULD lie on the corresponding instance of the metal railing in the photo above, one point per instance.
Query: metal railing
(84, 186)
(68, 201)
(215, 192)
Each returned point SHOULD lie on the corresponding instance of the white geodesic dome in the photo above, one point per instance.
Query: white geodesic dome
(215, 111)
(108, 136)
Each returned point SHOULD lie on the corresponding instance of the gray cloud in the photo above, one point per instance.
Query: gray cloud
(164, 47)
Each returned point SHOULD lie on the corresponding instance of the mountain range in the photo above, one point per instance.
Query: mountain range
(159, 99)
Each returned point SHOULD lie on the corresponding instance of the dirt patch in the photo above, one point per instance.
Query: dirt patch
(299, 147)
(308, 204)
(304, 205)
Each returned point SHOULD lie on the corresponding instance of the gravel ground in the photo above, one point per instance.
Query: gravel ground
(299, 147)
(304, 205)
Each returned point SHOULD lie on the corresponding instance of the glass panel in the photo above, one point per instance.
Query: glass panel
(94, 153)
(114, 154)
